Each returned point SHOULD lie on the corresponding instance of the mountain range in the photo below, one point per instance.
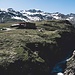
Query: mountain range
(7, 15)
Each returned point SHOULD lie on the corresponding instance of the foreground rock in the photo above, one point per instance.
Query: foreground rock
(34, 52)
(70, 69)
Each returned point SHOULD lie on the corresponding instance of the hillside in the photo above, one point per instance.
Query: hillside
(35, 51)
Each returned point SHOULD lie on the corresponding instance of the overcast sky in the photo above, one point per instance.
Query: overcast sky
(62, 6)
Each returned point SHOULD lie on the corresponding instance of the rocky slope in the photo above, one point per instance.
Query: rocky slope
(7, 15)
(70, 69)
(36, 51)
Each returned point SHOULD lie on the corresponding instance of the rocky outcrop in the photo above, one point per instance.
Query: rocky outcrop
(70, 69)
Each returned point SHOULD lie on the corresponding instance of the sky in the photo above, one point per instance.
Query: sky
(62, 6)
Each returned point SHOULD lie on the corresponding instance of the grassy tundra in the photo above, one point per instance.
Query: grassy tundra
(34, 51)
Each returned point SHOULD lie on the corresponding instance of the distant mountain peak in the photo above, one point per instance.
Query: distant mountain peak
(33, 15)
(34, 10)
(10, 9)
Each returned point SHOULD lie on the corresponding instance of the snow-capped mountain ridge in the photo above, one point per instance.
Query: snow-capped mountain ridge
(33, 15)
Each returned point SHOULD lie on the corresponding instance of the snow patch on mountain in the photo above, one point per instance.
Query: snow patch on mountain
(34, 18)
(32, 13)
(69, 18)
(3, 10)
(56, 16)
(18, 18)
